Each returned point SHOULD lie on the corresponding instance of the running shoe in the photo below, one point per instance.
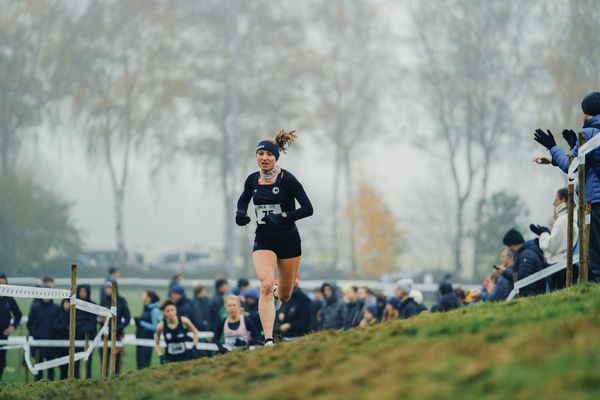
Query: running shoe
(269, 343)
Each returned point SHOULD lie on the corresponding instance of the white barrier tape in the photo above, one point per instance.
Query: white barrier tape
(57, 362)
(93, 308)
(589, 146)
(588, 219)
(538, 276)
(73, 299)
(97, 339)
(33, 292)
(113, 311)
(27, 356)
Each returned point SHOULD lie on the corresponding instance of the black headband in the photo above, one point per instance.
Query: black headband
(268, 146)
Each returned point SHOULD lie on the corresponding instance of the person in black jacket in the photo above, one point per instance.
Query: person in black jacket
(217, 305)
(315, 309)
(123, 319)
(408, 306)
(448, 300)
(60, 328)
(250, 304)
(294, 318)
(529, 259)
(39, 325)
(85, 326)
(8, 310)
(180, 300)
(200, 310)
(145, 327)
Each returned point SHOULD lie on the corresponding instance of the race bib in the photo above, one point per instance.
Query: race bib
(262, 210)
(176, 348)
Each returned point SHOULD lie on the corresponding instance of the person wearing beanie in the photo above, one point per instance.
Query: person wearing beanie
(390, 312)
(529, 259)
(590, 108)
(448, 300)
(369, 317)
(182, 303)
(408, 306)
(123, 318)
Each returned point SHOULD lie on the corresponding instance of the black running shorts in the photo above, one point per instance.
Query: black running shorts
(284, 245)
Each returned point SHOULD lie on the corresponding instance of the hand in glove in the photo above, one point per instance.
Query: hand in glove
(571, 137)
(242, 219)
(538, 229)
(273, 219)
(545, 139)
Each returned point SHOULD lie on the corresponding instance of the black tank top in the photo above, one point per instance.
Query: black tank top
(175, 338)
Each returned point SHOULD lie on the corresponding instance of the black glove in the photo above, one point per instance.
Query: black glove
(571, 137)
(545, 139)
(242, 219)
(273, 219)
(538, 229)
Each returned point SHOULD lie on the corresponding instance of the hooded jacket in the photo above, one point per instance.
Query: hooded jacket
(85, 322)
(591, 128)
(529, 260)
(297, 314)
(333, 312)
(41, 317)
(554, 244)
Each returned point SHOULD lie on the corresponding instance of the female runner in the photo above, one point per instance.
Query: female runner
(274, 191)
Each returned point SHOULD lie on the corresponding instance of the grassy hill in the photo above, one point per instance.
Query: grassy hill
(545, 347)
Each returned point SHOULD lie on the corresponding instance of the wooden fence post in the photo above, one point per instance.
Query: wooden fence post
(72, 323)
(581, 214)
(113, 333)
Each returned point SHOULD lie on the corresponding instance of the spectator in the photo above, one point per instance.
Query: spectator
(182, 303)
(123, 318)
(242, 285)
(529, 259)
(448, 300)
(353, 307)
(145, 327)
(369, 317)
(39, 324)
(235, 331)
(60, 328)
(200, 310)
(8, 310)
(489, 283)
(504, 274)
(85, 326)
(294, 318)
(408, 307)
(217, 305)
(590, 106)
(176, 279)
(174, 328)
(416, 295)
(390, 313)
(315, 309)
(554, 242)
(333, 313)
(250, 305)
(113, 276)
(460, 296)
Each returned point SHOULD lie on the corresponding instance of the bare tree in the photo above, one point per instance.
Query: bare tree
(474, 78)
(31, 55)
(348, 85)
(124, 91)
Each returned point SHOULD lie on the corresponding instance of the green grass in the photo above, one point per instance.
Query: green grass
(544, 347)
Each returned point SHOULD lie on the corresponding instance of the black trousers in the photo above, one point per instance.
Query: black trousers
(143, 356)
(41, 355)
(594, 256)
(88, 373)
(117, 363)
(2, 357)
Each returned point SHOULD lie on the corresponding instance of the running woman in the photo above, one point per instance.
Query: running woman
(174, 329)
(274, 191)
(237, 331)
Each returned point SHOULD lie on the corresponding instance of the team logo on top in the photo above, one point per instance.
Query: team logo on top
(275, 190)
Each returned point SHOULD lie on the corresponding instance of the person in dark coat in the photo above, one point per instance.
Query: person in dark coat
(315, 308)
(39, 325)
(145, 327)
(8, 310)
(60, 327)
(333, 313)
(123, 319)
(85, 326)
(113, 276)
(354, 307)
(294, 318)
(200, 310)
(529, 259)
(250, 305)
(217, 305)
(448, 300)
(182, 303)
(408, 306)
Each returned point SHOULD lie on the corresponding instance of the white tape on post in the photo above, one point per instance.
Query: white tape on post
(92, 308)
